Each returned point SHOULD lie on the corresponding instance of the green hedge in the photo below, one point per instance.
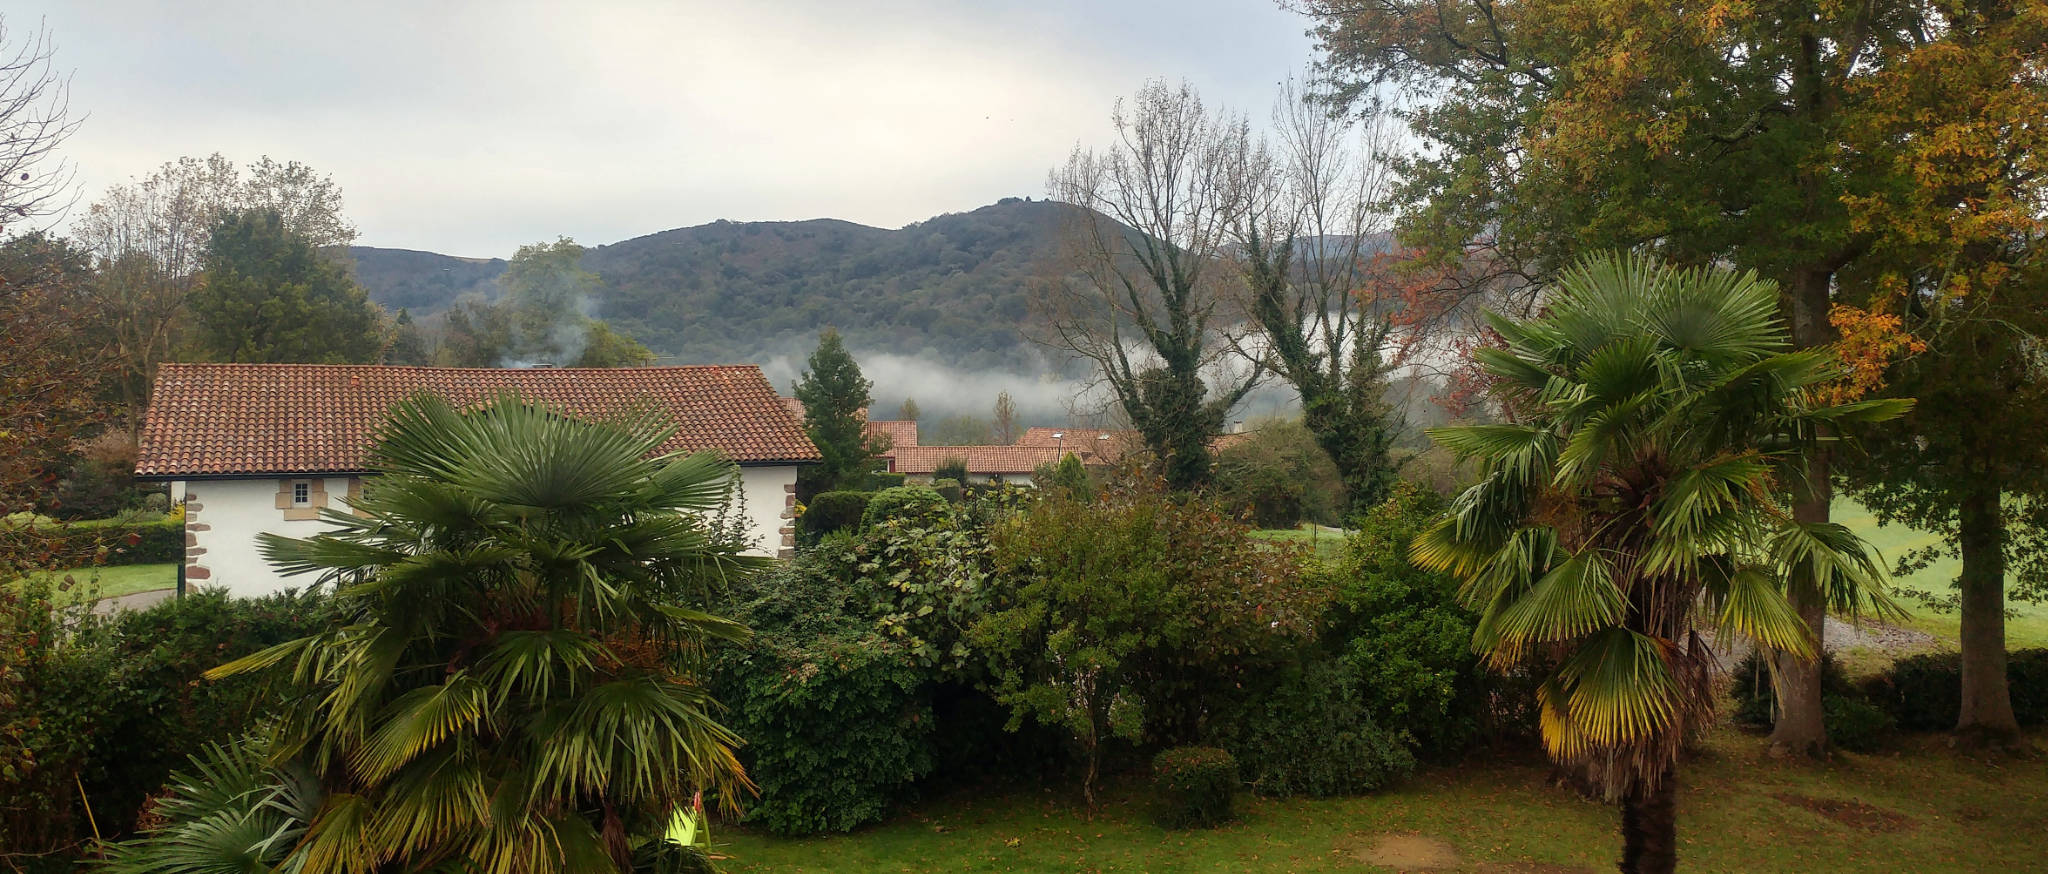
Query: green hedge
(837, 719)
(1310, 734)
(113, 704)
(1925, 692)
(879, 481)
(1194, 787)
(116, 541)
(832, 511)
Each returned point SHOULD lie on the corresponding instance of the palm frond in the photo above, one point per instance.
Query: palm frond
(1837, 565)
(1573, 599)
(1752, 605)
(1619, 689)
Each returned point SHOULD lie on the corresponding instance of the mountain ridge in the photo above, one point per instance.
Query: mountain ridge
(954, 286)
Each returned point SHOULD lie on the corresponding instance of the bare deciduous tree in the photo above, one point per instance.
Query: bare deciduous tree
(150, 236)
(1152, 214)
(35, 118)
(1314, 249)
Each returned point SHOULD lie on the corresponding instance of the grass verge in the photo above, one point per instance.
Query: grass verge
(1923, 808)
(114, 581)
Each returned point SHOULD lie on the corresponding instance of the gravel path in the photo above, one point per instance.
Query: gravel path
(134, 600)
(1841, 636)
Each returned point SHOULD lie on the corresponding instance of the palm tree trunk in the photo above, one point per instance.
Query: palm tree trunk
(1649, 827)
(1987, 717)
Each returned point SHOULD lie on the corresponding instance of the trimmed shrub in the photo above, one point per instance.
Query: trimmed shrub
(950, 489)
(832, 511)
(1855, 724)
(1193, 787)
(917, 505)
(2026, 672)
(150, 541)
(1311, 735)
(1923, 692)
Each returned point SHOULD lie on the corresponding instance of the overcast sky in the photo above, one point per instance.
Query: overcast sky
(469, 128)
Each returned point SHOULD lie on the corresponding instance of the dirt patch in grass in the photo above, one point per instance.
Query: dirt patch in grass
(1403, 852)
(1854, 814)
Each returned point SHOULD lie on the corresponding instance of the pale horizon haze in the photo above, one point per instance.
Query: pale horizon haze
(471, 128)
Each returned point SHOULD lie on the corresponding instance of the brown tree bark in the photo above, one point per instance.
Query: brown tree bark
(1800, 729)
(1649, 828)
(1987, 717)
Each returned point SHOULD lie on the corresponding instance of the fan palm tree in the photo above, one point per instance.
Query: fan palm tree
(512, 686)
(1658, 421)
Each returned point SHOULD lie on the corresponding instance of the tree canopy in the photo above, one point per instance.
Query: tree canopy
(1835, 148)
(270, 296)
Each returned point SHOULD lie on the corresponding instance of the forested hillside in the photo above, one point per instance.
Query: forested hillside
(952, 288)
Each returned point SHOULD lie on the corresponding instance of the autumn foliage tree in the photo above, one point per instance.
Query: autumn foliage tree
(1951, 306)
(1776, 136)
(50, 371)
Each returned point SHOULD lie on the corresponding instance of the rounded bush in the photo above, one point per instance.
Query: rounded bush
(1922, 692)
(916, 505)
(833, 511)
(1193, 787)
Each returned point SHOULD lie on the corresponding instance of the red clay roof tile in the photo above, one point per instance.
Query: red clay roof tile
(229, 419)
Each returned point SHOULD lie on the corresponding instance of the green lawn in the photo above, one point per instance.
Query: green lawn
(2028, 628)
(1925, 809)
(109, 582)
(1327, 544)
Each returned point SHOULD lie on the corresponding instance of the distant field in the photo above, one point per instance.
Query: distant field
(109, 582)
(2028, 628)
(1327, 543)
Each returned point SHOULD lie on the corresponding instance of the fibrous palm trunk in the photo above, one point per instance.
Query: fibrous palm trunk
(1649, 827)
(1987, 718)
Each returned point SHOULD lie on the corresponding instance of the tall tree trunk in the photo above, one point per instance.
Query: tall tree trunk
(1799, 729)
(1649, 827)
(1987, 717)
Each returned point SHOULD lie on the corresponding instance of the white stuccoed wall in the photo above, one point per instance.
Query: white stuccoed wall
(220, 534)
(224, 517)
(770, 491)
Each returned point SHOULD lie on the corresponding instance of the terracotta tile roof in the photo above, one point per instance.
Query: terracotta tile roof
(1096, 445)
(1005, 460)
(902, 433)
(227, 419)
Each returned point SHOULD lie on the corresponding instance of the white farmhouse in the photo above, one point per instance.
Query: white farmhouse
(251, 448)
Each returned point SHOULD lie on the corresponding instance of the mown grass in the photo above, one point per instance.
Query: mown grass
(2026, 624)
(1927, 809)
(110, 582)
